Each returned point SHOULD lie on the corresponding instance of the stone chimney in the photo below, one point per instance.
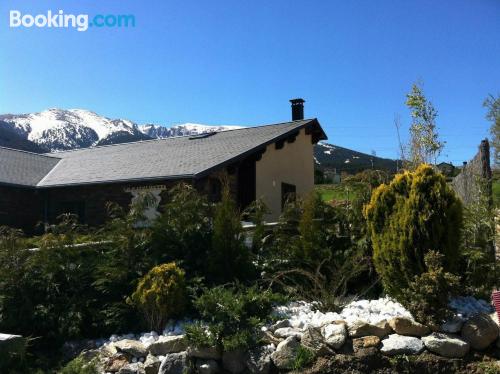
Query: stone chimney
(297, 109)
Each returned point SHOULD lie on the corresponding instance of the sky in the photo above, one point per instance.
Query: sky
(239, 62)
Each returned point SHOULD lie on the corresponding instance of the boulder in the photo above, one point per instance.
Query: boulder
(286, 352)
(258, 360)
(115, 363)
(152, 364)
(206, 353)
(168, 344)
(364, 353)
(365, 342)
(286, 332)
(108, 349)
(279, 325)
(174, 363)
(135, 368)
(446, 345)
(207, 366)
(314, 340)
(453, 326)
(335, 334)
(132, 347)
(269, 338)
(234, 361)
(407, 326)
(361, 328)
(12, 347)
(401, 345)
(480, 331)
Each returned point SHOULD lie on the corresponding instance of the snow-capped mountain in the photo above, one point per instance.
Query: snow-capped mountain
(60, 129)
(158, 131)
(332, 157)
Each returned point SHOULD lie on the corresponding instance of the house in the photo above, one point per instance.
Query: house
(268, 162)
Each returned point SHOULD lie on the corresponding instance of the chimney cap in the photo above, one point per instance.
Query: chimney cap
(297, 101)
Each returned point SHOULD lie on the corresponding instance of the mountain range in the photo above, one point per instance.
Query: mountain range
(55, 130)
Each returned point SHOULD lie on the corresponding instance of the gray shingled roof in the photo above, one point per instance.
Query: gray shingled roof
(180, 157)
(24, 168)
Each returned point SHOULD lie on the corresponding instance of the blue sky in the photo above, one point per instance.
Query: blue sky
(238, 62)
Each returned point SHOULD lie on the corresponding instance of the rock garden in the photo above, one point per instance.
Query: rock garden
(397, 280)
(302, 334)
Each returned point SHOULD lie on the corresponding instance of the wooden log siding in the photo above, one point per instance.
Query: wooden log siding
(21, 208)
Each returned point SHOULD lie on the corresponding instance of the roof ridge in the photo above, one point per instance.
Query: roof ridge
(174, 137)
(48, 155)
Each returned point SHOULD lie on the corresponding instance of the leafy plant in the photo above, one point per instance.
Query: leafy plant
(425, 145)
(79, 366)
(415, 213)
(126, 258)
(160, 295)
(428, 294)
(303, 359)
(478, 266)
(317, 251)
(232, 317)
(183, 231)
(229, 259)
(492, 104)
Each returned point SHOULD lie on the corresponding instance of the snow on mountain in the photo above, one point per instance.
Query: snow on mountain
(334, 157)
(158, 131)
(60, 129)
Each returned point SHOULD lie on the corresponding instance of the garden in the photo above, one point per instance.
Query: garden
(399, 279)
(405, 272)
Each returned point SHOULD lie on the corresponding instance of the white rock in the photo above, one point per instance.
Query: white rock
(398, 344)
(286, 332)
(335, 334)
(446, 345)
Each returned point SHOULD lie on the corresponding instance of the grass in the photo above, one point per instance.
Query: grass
(496, 193)
(341, 192)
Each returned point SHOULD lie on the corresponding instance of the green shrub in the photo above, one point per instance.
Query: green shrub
(232, 316)
(415, 213)
(428, 294)
(318, 251)
(229, 259)
(183, 231)
(161, 295)
(126, 257)
(79, 366)
(479, 270)
(304, 358)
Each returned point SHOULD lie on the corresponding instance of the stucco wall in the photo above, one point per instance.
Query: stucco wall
(293, 164)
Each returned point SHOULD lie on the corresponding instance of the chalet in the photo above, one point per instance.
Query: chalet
(265, 162)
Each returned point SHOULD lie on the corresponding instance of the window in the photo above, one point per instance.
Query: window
(288, 193)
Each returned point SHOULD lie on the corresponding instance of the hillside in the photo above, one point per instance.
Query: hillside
(332, 158)
(10, 139)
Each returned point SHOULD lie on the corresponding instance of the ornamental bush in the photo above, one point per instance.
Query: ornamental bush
(161, 295)
(232, 317)
(428, 294)
(417, 212)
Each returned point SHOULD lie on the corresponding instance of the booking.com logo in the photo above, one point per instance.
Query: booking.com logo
(80, 22)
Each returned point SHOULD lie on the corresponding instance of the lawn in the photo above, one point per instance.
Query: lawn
(340, 192)
(496, 193)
